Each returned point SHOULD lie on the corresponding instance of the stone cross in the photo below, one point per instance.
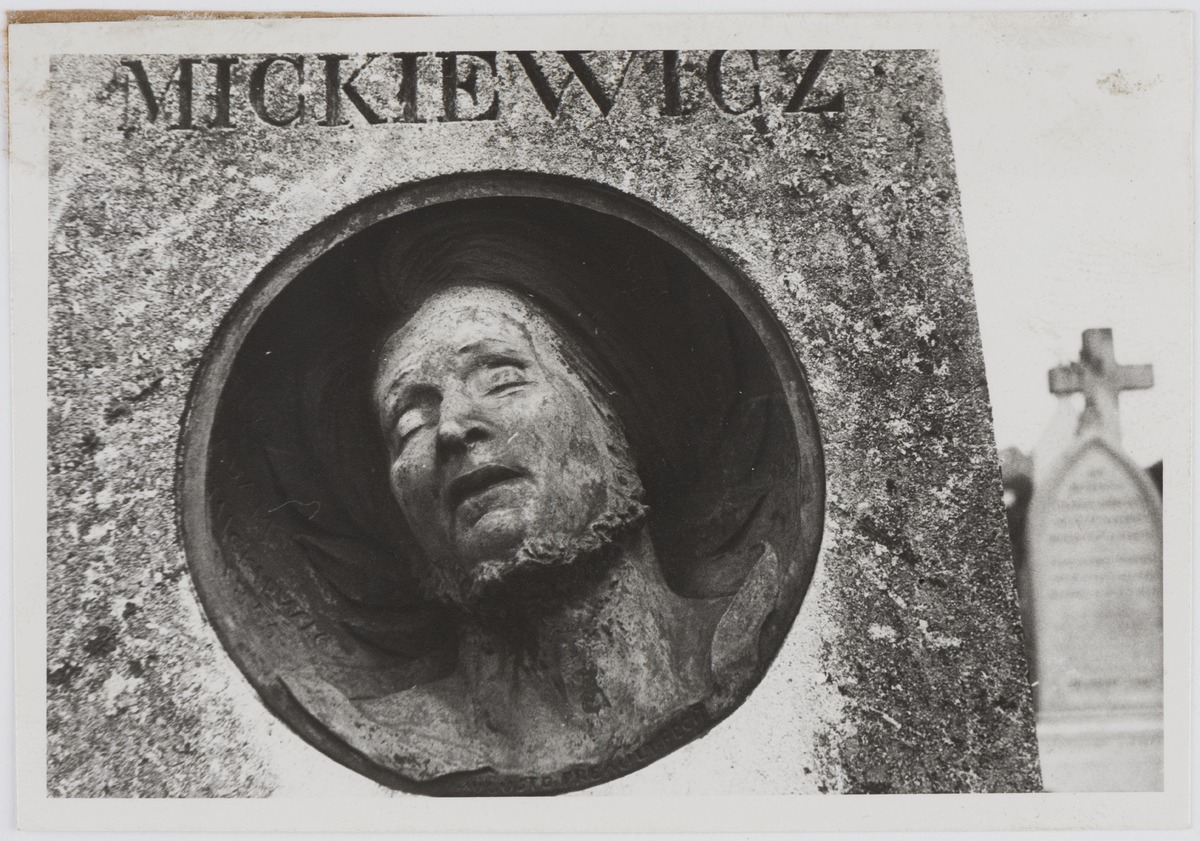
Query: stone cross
(1101, 380)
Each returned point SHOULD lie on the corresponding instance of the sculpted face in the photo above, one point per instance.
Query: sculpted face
(497, 446)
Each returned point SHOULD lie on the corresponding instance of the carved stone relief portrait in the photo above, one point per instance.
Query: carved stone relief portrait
(501, 484)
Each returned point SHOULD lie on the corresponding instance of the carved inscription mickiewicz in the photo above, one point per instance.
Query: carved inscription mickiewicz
(330, 90)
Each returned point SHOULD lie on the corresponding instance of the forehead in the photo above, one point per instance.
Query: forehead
(457, 322)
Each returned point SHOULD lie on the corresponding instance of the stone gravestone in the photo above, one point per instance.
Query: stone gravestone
(1095, 546)
(736, 283)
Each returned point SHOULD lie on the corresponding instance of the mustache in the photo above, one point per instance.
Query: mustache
(466, 485)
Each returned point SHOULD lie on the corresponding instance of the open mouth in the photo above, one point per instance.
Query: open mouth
(477, 481)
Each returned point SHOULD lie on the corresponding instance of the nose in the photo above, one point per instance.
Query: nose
(460, 424)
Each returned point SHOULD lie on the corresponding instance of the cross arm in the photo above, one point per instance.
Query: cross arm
(1135, 376)
(1066, 379)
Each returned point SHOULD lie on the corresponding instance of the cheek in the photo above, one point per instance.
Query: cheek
(411, 479)
(532, 425)
(571, 440)
(554, 428)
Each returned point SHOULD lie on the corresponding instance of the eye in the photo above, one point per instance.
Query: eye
(502, 379)
(408, 424)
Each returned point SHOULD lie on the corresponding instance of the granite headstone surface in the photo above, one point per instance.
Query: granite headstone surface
(825, 504)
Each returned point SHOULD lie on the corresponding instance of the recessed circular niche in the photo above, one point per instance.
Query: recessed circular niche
(306, 565)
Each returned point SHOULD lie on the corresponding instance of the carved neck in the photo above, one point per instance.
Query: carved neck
(603, 658)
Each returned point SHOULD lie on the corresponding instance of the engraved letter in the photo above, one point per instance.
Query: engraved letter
(407, 95)
(333, 83)
(258, 84)
(153, 104)
(811, 73)
(672, 101)
(451, 85)
(716, 83)
(224, 65)
(579, 69)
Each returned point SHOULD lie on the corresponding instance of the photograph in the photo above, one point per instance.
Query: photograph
(625, 423)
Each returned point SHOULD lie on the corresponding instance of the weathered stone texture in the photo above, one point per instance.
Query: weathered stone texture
(904, 672)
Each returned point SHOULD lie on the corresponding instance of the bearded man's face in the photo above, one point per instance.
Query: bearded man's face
(501, 457)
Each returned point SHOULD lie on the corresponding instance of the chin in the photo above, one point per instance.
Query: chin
(496, 534)
(532, 569)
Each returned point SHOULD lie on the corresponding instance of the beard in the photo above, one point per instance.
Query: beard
(544, 572)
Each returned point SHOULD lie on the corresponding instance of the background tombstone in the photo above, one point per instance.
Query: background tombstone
(825, 180)
(1095, 593)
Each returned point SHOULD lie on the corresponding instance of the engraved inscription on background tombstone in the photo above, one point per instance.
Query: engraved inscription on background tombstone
(1100, 583)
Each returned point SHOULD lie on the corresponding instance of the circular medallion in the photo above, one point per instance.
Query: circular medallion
(501, 483)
